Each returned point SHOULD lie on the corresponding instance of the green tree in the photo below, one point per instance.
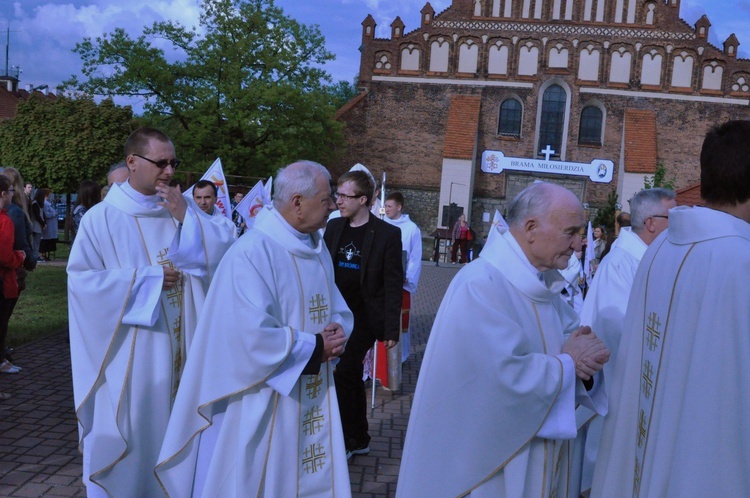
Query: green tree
(341, 92)
(56, 143)
(246, 86)
(660, 178)
(606, 215)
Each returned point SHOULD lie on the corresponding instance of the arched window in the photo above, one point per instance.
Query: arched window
(552, 119)
(591, 126)
(510, 118)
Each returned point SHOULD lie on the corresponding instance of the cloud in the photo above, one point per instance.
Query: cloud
(44, 33)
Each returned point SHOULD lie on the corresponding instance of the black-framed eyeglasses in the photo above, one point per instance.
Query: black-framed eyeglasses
(160, 164)
(338, 194)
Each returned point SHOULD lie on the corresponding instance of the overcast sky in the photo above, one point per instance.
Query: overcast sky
(44, 32)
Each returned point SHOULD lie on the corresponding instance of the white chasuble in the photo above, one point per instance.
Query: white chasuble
(128, 337)
(246, 421)
(494, 408)
(678, 417)
(604, 311)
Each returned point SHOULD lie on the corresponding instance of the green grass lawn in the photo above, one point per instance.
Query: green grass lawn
(42, 308)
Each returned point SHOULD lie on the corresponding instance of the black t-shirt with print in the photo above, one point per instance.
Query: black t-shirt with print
(347, 265)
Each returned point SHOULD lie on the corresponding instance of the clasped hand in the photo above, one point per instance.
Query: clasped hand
(588, 352)
(334, 340)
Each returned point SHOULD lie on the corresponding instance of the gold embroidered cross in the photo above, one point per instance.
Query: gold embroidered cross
(174, 295)
(654, 334)
(313, 421)
(313, 386)
(637, 479)
(318, 309)
(641, 428)
(313, 458)
(648, 381)
(162, 258)
(177, 328)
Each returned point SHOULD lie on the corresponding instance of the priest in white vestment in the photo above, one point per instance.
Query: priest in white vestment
(572, 292)
(678, 415)
(494, 408)
(411, 243)
(203, 195)
(137, 277)
(607, 299)
(257, 414)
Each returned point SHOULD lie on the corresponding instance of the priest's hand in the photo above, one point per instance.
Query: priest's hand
(334, 340)
(390, 344)
(171, 277)
(588, 352)
(173, 201)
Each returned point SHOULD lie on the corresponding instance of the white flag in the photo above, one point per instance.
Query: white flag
(499, 226)
(215, 175)
(589, 254)
(267, 191)
(251, 204)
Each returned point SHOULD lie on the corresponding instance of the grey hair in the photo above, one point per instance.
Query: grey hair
(533, 201)
(297, 178)
(647, 203)
(116, 166)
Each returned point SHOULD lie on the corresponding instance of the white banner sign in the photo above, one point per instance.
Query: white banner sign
(599, 170)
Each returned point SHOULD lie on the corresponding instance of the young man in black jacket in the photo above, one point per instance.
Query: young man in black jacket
(366, 254)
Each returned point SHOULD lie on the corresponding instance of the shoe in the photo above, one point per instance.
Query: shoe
(363, 450)
(8, 368)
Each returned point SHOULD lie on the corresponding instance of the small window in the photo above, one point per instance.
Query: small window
(591, 126)
(510, 118)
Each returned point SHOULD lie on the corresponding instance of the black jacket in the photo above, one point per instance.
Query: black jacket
(381, 275)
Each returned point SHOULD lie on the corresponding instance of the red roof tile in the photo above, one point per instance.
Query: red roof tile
(640, 141)
(8, 104)
(463, 124)
(349, 105)
(689, 196)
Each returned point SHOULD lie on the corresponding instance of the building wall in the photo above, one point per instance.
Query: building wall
(643, 56)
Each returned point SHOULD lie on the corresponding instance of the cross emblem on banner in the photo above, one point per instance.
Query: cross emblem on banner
(318, 309)
(313, 386)
(313, 421)
(313, 458)
(648, 381)
(654, 334)
(547, 152)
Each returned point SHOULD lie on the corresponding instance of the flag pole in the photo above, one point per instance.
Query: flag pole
(375, 346)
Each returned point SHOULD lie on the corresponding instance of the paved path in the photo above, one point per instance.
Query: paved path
(38, 434)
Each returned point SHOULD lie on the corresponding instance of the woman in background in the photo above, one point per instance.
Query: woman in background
(49, 232)
(37, 221)
(460, 238)
(89, 193)
(10, 260)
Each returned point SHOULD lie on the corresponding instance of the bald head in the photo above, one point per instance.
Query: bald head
(545, 219)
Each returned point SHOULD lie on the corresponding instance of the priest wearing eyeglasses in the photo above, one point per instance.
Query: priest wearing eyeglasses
(137, 278)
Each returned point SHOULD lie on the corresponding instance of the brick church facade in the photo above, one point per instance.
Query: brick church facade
(574, 81)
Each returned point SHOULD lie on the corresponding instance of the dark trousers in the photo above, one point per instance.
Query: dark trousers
(6, 309)
(350, 390)
(462, 244)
